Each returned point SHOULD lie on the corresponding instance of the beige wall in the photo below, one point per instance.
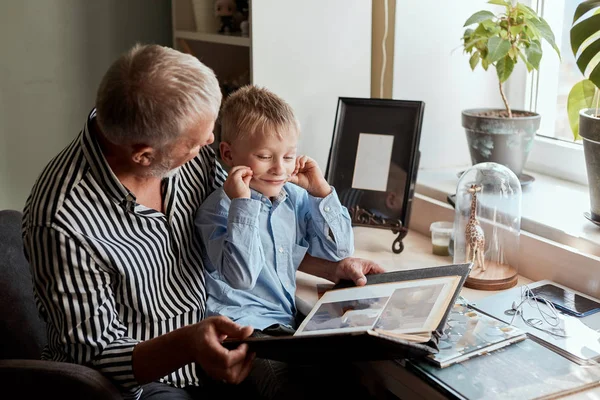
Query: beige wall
(377, 51)
(54, 53)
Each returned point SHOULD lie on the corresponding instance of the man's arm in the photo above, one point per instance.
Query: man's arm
(349, 268)
(200, 343)
(75, 297)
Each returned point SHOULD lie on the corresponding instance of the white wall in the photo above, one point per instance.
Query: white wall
(429, 65)
(54, 53)
(314, 53)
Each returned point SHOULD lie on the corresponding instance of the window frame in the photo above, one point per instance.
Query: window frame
(537, 91)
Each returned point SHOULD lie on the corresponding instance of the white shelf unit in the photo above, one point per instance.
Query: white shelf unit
(309, 52)
(234, 40)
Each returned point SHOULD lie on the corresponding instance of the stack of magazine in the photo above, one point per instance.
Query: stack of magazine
(469, 333)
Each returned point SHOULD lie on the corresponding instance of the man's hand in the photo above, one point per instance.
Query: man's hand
(308, 175)
(237, 184)
(229, 366)
(355, 269)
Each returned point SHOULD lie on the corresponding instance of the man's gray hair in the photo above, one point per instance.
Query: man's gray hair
(152, 94)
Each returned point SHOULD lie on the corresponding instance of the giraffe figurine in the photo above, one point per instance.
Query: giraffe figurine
(474, 233)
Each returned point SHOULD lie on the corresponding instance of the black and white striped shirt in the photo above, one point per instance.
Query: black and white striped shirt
(108, 272)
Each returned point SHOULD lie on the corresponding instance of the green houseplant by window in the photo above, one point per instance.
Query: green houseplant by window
(501, 41)
(584, 97)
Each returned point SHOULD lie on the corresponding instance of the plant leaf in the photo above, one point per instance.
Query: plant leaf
(474, 60)
(585, 7)
(484, 63)
(500, 2)
(478, 17)
(490, 25)
(595, 76)
(583, 31)
(481, 31)
(527, 63)
(527, 11)
(469, 45)
(504, 68)
(532, 31)
(515, 30)
(586, 56)
(545, 31)
(497, 48)
(534, 54)
(581, 96)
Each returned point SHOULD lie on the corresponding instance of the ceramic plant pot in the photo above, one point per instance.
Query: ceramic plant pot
(506, 141)
(589, 130)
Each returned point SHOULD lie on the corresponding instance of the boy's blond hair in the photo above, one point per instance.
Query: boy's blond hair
(254, 110)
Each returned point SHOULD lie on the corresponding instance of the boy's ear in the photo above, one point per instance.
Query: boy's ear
(225, 149)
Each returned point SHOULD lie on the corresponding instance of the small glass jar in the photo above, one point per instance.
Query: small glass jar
(441, 232)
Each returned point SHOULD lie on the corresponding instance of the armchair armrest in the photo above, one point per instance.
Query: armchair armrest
(37, 378)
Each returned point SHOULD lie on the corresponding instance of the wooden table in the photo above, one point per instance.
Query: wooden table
(375, 244)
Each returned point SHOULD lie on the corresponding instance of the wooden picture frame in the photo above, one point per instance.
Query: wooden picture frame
(373, 161)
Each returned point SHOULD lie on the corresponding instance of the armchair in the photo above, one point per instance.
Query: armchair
(22, 333)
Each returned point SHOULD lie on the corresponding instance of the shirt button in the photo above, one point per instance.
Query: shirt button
(327, 209)
(264, 199)
(281, 249)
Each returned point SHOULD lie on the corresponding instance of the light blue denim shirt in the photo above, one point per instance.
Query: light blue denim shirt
(254, 247)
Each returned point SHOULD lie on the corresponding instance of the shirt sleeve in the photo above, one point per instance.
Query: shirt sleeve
(74, 296)
(230, 234)
(329, 228)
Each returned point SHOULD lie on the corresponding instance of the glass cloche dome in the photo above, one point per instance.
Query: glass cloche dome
(487, 225)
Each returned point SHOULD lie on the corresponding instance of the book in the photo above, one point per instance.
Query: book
(395, 315)
(469, 334)
(521, 371)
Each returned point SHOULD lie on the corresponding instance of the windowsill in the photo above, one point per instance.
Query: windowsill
(551, 208)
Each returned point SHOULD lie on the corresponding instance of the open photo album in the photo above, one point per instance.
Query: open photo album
(395, 315)
(409, 310)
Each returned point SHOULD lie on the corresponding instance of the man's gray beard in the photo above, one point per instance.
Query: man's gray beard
(163, 169)
(171, 173)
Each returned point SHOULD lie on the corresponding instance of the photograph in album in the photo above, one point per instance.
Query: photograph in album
(402, 309)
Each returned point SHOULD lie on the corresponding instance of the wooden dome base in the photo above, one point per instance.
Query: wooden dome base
(495, 277)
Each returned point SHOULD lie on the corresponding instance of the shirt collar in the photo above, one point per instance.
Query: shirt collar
(100, 169)
(280, 198)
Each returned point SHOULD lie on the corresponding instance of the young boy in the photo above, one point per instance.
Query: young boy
(272, 209)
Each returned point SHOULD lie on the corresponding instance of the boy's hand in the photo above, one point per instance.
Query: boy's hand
(237, 184)
(308, 175)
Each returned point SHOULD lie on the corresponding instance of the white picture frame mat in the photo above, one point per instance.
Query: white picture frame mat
(384, 290)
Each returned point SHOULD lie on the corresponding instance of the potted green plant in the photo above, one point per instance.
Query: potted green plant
(504, 136)
(584, 97)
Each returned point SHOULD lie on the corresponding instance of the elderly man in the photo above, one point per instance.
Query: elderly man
(108, 230)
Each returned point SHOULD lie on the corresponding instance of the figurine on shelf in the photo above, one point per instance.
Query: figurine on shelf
(245, 28)
(474, 233)
(225, 10)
